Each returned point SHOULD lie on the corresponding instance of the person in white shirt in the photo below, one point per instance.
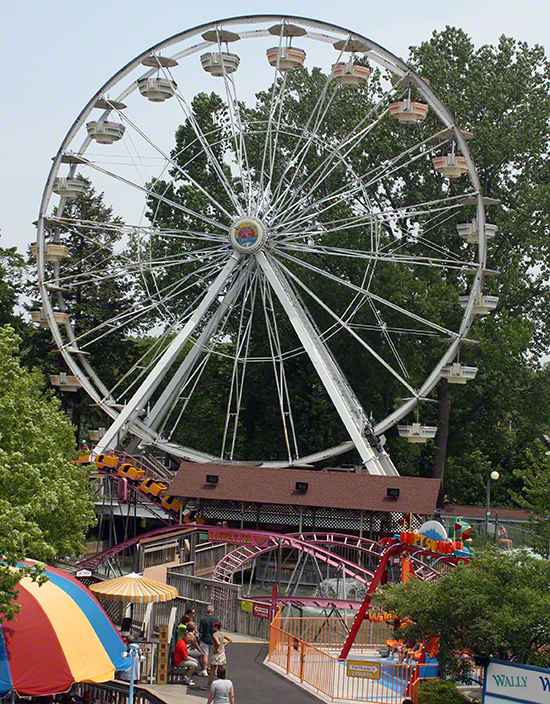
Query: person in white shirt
(221, 690)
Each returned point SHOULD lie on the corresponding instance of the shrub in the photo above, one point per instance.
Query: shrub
(438, 691)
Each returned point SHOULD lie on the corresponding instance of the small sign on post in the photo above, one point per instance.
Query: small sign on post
(261, 610)
(363, 669)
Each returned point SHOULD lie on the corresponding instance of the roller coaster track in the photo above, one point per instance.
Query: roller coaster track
(367, 547)
(238, 558)
(153, 470)
(92, 563)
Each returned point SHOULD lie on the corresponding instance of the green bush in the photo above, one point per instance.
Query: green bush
(441, 692)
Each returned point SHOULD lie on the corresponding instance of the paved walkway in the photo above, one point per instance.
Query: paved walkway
(254, 682)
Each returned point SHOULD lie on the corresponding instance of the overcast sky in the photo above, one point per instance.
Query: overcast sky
(57, 54)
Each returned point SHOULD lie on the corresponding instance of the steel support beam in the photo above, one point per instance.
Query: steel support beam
(336, 385)
(119, 429)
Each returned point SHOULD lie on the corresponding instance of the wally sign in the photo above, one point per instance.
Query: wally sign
(508, 682)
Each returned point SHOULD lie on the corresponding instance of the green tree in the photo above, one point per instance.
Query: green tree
(534, 472)
(12, 281)
(498, 605)
(97, 294)
(45, 504)
(502, 94)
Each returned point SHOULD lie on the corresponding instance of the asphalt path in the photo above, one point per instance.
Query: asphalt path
(254, 683)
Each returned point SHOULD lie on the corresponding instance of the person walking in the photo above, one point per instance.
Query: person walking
(206, 639)
(218, 651)
(221, 691)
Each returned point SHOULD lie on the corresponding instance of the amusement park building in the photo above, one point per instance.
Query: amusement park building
(289, 500)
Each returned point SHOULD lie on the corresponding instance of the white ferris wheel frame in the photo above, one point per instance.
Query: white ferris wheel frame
(127, 419)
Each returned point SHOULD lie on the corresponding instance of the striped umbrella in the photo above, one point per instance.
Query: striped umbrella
(134, 588)
(61, 636)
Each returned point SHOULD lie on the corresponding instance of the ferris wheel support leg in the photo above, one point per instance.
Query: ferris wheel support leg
(118, 430)
(173, 388)
(336, 385)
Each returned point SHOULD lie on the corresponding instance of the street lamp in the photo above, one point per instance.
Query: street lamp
(134, 655)
(494, 476)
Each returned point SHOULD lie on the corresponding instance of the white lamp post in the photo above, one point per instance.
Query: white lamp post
(494, 476)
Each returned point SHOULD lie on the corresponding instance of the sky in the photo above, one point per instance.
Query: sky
(56, 55)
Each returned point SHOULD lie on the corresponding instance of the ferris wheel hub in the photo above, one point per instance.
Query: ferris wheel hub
(247, 234)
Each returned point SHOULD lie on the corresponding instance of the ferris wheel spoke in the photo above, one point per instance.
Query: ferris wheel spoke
(79, 226)
(187, 178)
(277, 362)
(178, 382)
(369, 294)
(343, 325)
(272, 132)
(303, 143)
(345, 192)
(299, 156)
(157, 196)
(213, 160)
(377, 256)
(405, 212)
(237, 131)
(336, 156)
(148, 304)
(120, 427)
(337, 387)
(75, 278)
(238, 375)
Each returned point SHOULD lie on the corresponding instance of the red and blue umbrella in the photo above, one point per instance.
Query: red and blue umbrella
(61, 636)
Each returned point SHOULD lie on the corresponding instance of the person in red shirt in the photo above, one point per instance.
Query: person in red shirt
(183, 661)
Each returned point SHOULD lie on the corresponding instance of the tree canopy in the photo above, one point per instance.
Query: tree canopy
(45, 502)
(497, 605)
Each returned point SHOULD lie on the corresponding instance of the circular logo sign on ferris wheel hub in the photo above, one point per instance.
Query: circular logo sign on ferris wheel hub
(247, 234)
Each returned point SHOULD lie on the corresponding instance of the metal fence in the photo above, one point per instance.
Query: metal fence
(330, 633)
(328, 675)
(116, 693)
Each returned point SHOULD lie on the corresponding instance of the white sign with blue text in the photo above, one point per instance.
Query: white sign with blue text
(511, 682)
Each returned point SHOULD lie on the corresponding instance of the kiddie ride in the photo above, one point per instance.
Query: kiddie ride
(431, 543)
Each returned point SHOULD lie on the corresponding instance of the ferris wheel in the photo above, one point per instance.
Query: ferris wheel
(297, 242)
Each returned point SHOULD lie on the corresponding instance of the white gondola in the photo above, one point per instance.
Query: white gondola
(156, 89)
(482, 306)
(105, 132)
(65, 381)
(286, 58)
(53, 251)
(417, 433)
(39, 317)
(457, 373)
(408, 111)
(220, 63)
(69, 187)
(470, 231)
(96, 435)
(349, 74)
(450, 165)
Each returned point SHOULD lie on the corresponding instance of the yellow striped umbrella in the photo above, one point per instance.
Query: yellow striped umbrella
(135, 589)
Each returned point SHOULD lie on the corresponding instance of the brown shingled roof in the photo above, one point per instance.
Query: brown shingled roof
(278, 486)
